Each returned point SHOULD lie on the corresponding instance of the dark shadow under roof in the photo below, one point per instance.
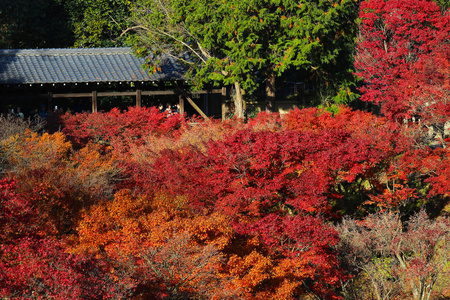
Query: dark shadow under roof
(80, 65)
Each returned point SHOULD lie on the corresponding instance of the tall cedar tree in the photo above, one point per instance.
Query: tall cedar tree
(245, 42)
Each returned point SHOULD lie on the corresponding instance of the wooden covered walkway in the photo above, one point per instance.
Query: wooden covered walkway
(92, 73)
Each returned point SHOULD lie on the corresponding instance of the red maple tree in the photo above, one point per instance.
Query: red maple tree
(403, 57)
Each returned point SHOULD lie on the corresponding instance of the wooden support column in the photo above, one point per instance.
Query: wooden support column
(181, 102)
(94, 101)
(138, 98)
(224, 104)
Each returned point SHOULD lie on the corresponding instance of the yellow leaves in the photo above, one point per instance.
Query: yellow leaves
(31, 151)
(286, 289)
(93, 169)
(12, 147)
(126, 205)
(258, 267)
(54, 143)
(251, 269)
(168, 203)
(212, 230)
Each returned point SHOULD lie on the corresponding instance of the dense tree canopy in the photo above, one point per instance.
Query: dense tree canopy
(404, 57)
(34, 24)
(141, 204)
(60, 24)
(146, 205)
(244, 43)
(98, 23)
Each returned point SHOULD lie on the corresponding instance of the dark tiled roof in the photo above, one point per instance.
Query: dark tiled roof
(80, 65)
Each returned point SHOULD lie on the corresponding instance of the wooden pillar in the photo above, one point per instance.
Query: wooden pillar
(181, 102)
(224, 104)
(94, 101)
(138, 98)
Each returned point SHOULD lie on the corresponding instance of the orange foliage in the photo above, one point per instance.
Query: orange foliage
(163, 228)
(55, 180)
(33, 151)
(150, 230)
(137, 222)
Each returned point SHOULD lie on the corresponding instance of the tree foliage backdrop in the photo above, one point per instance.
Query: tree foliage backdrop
(140, 204)
(245, 43)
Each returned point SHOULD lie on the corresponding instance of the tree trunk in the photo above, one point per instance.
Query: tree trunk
(270, 93)
(238, 102)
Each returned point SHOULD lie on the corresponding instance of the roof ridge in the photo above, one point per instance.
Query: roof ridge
(65, 51)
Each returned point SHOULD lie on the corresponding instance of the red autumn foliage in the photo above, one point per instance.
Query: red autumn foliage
(403, 56)
(272, 183)
(40, 268)
(17, 216)
(120, 129)
(34, 264)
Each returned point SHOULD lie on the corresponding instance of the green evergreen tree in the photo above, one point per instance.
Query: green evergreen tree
(99, 23)
(248, 42)
(34, 24)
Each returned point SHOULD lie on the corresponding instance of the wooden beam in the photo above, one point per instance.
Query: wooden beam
(116, 94)
(158, 93)
(185, 95)
(106, 94)
(213, 91)
(73, 95)
(196, 107)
